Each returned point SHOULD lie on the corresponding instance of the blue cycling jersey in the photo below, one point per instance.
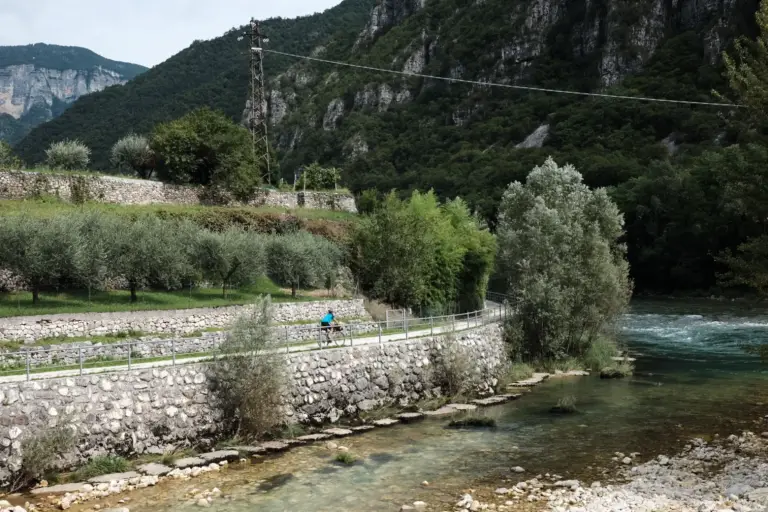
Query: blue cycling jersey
(327, 318)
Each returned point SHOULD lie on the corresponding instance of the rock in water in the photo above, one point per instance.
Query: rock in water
(611, 373)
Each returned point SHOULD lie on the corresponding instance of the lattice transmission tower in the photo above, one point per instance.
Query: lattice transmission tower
(259, 118)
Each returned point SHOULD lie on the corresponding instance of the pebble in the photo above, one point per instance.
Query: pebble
(518, 469)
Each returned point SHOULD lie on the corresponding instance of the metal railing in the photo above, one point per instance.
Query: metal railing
(79, 359)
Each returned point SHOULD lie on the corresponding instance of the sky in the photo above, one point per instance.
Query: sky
(143, 32)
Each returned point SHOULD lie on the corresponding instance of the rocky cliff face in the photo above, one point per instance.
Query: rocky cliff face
(24, 87)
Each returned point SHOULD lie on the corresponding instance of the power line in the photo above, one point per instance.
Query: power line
(507, 86)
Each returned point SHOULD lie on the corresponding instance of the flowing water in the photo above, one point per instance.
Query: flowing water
(692, 379)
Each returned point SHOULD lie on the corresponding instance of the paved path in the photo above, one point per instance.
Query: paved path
(491, 315)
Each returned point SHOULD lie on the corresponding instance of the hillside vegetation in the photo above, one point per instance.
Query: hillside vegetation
(51, 56)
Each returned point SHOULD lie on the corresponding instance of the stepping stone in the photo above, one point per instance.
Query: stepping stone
(386, 422)
(408, 417)
(294, 442)
(247, 450)
(443, 411)
(628, 359)
(59, 489)
(275, 446)
(311, 438)
(189, 462)
(338, 432)
(463, 407)
(491, 400)
(220, 455)
(153, 469)
(113, 477)
(362, 428)
(537, 378)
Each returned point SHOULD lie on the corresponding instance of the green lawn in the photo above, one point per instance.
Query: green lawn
(20, 304)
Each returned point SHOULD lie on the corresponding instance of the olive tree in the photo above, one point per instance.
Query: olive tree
(230, 258)
(41, 251)
(560, 253)
(301, 259)
(92, 264)
(9, 161)
(68, 155)
(146, 251)
(133, 153)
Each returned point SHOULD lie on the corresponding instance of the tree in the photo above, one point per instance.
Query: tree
(9, 161)
(133, 153)
(147, 251)
(231, 258)
(406, 253)
(41, 251)
(567, 273)
(68, 155)
(207, 148)
(316, 177)
(301, 259)
(92, 265)
(747, 68)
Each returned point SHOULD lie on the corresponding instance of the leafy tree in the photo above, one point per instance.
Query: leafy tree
(231, 258)
(566, 271)
(42, 251)
(133, 153)
(92, 265)
(316, 177)
(301, 259)
(8, 160)
(206, 148)
(147, 251)
(747, 67)
(68, 155)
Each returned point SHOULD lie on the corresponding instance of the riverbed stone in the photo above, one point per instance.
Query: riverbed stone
(443, 411)
(58, 489)
(247, 450)
(113, 477)
(386, 422)
(189, 462)
(218, 456)
(154, 469)
(410, 417)
(275, 446)
(463, 407)
(311, 438)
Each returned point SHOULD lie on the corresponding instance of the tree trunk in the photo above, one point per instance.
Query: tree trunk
(293, 290)
(134, 298)
(224, 289)
(35, 294)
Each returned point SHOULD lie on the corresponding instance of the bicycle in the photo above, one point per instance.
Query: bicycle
(326, 336)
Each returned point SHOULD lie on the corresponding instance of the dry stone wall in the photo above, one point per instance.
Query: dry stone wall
(113, 189)
(181, 321)
(154, 410)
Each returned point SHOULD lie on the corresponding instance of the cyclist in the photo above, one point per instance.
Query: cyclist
(326, 324)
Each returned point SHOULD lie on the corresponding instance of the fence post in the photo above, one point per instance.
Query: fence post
(28, 365)
(431, 326)
(129, 355)
(379, 333)
(287, 345)
(351, 338)
(80, 359)
(173, 351)
(406, 327)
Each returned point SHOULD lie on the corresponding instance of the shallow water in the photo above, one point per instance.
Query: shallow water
(692, 378)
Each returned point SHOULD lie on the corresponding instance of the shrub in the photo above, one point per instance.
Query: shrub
(133, 153)
(9, 161)
(231, 258)
(566, 405)
(42, 453)
(102, 465)
(452, 370)
(316, 177)
(68, 155)
(473, 422)
(206, 148)
(600, 354)
(248, 377)
(346, 458)
(559, 251)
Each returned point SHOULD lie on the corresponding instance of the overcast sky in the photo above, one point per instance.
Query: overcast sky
(140, 31)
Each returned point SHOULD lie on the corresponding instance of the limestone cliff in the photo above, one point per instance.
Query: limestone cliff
(37, 83)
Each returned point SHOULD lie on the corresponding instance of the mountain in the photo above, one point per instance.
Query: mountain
(38, 82)
(214, 73)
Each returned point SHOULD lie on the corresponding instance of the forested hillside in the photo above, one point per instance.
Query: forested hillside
(209, 73)
(388, 131)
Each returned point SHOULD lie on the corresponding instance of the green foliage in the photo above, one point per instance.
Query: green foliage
(9, 161)
(316, 177)
(68, 155)
(565, 405)
(473, 421)
(301, 259)
(101, 465)
(600, 354)
(42, 453)
(559, 251)
(206, 148)
(231, 258)
(249, 376)
(417, 253)
(133, 153)
(747, 67)
(345, 458)
(52, 56)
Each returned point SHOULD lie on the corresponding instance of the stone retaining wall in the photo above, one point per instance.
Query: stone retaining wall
(113, 189)
(180, 321)
(67, 354)
(150, 411)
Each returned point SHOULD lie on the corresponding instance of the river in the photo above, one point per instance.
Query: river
(692, 379)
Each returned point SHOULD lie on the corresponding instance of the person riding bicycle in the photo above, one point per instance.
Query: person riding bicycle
(326, 324)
